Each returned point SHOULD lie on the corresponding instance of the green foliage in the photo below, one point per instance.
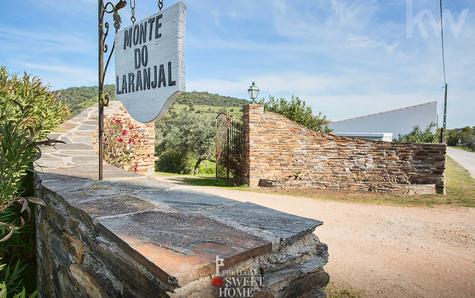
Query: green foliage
(208, 99)
(17, 153)
(188, 134)
(11, 280)
(207, 168)
(419, 136)
(465, 135)
(30, 104)
(175, 162)
(18, 252)
(298, 111)
(28, 113)
(80, 98)
(12, 276)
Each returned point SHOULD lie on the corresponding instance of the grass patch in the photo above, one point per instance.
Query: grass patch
(167, 174)
(463, 148)
(460, 192)
(210, 181)
(460, 185)
(335, 290)
(201, 180)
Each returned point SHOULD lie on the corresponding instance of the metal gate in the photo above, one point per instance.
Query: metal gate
(229, 149)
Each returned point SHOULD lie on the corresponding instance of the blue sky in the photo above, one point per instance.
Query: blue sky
(345, 58)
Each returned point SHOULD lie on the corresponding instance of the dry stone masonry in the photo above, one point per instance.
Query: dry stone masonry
(132, 236)
(281, 153)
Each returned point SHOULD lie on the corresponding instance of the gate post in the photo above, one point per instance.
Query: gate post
(251, 116)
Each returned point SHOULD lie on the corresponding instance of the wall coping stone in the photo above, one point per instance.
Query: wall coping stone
(174, 234)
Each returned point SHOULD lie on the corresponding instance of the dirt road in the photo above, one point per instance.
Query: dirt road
(386, 251)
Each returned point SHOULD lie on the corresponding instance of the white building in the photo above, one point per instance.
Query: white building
(396, 122)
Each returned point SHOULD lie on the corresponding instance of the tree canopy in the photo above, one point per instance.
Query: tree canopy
(296, 110)
(188, 134)
(417, 135)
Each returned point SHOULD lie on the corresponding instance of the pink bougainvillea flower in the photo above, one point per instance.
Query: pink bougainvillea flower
(124, 132)
(120, 140)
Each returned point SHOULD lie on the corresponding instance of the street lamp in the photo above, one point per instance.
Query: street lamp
(253, 91)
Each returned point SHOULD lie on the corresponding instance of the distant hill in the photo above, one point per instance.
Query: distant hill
(209, 99)
(80, 98)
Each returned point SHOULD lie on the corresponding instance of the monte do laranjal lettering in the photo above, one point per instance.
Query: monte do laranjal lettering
(146, 77)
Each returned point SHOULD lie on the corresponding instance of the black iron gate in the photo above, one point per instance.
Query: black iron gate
(229, 149)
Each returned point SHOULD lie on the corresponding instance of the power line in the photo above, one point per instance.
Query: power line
(444, 124)
(442, 38)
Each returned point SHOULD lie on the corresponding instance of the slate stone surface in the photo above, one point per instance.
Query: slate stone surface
(163, 229)
(188, 243)
(114, 205)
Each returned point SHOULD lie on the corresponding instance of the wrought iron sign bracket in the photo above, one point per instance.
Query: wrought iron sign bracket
(103, 100)
(104, 9)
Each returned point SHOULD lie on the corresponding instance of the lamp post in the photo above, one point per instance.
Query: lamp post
(253, 91)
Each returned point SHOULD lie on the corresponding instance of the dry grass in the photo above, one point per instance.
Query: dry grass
(338, 290)
(460, 192)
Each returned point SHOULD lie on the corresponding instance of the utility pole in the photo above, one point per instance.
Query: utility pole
(444, 123)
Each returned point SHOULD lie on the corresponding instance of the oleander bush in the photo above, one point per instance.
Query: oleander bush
(120, 142)
(29, 111)
(36, 108)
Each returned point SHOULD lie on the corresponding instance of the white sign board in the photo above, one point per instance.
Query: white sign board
(150, 63)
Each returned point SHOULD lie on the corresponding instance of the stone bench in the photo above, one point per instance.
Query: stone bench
(133, 236)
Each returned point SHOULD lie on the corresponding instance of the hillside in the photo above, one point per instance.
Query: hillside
(79, 98)
(209, 99)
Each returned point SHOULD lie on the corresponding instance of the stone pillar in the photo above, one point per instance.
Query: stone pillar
(252, 114)
(140, 139)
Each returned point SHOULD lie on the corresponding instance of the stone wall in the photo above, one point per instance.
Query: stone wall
(139, 140)
(281, 153)
(133, 236)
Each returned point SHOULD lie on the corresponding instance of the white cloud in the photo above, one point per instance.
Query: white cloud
(41, 41)
(59, 75)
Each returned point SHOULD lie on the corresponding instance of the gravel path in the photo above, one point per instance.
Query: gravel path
(464, 158)
(386, 251)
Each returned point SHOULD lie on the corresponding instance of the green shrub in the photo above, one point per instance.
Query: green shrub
(296, 110)
(187, 134)
(36, 108)
(419, 136)
(461, 136)
(207, 168)
(175, 162)
(28, 113)
(80, 98)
